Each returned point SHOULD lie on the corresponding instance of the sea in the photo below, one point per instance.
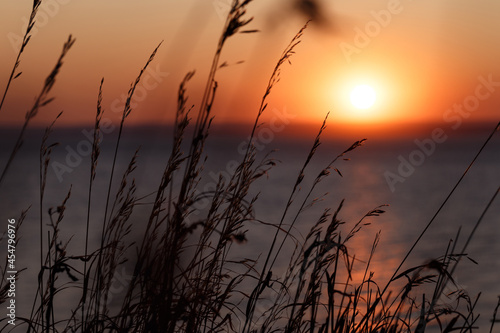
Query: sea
(409, 178)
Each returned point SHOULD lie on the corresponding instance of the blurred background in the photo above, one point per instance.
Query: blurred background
(433, 66)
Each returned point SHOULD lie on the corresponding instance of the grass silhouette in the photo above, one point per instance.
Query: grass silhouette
(178, 287)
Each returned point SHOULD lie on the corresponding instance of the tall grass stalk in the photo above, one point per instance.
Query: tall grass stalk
(494, 319)
(45, 152)
(93, 167)
(40, 101)
(431, 221)
(24, 43)
(126, 112)
(184, 277)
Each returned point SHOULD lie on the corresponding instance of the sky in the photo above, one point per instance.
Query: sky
(427, 61)
(434, 66)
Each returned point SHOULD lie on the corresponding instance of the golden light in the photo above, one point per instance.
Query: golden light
(363, 96)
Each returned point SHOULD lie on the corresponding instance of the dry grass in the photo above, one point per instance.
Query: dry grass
(184, 279)
(41, 100)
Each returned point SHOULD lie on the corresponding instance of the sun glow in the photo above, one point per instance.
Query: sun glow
(363, 96)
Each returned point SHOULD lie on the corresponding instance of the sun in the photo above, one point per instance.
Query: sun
(363, 96)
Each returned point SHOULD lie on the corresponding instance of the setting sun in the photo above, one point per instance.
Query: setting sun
(363, 96)
(178, 155)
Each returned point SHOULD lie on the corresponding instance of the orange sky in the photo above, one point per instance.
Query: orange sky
(427, 60)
